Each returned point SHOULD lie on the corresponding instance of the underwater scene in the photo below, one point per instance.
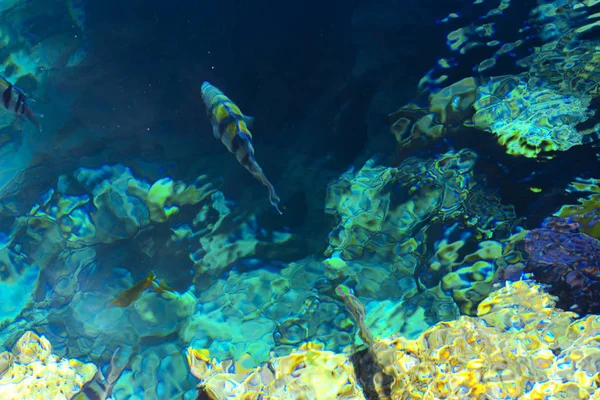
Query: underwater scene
(359, 199)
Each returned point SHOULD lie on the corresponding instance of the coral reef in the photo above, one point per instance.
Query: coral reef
(448, 108)
(90, 208)
(91, 236)
(219, 238)
(31, 371)
(518, 347)
(530, 120)
(109, 204)
(256, 312)
(546, 109)
(65, 237)
(566, 61)
(420, 239)
(527, 119)
(385, 216)
(566, 260)
(309, 372)
(587, 212)
(375, 224)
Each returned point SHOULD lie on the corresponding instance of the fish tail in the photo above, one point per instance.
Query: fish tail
(273, 198)
(31, 116)
(164, 287)
(155, 286)
(159, 286)
(255, 169)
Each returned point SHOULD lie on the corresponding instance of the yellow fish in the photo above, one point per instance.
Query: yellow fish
(130, 295)
(231, 127)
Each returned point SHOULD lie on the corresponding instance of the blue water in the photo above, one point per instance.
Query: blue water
(95, 201)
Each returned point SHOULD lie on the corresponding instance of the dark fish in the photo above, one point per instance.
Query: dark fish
(231, 127)
(130, 295)
(14, 101)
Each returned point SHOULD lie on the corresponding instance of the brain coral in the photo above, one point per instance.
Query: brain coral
(518, 347)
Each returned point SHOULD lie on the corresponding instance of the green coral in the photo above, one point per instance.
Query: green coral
(531, 120)
(372, 224)
(587, 211)
(385, 216)
(114, 205)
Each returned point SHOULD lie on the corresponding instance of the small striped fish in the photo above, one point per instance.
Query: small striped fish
(13, 100)
(231, 127)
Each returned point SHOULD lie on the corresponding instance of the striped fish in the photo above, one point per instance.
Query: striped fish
(99, 388)
(13, 100)
(231, 127)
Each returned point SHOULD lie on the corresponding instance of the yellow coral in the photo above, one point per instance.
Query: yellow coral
(32, 348)
(33, 372)
(309, 373)
(508, 349)
(518, 347)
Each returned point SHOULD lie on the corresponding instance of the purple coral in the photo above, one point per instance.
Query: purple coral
(568, 261)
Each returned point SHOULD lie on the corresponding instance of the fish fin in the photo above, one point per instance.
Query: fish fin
(150, 278)
(277, 207)
(167, 293)
(164, 287)
(34, 121)
(156, 287)
(244, 131)
(216, 132)
(160, 287)
(274, 200)
(248, 120)
(32, 117)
